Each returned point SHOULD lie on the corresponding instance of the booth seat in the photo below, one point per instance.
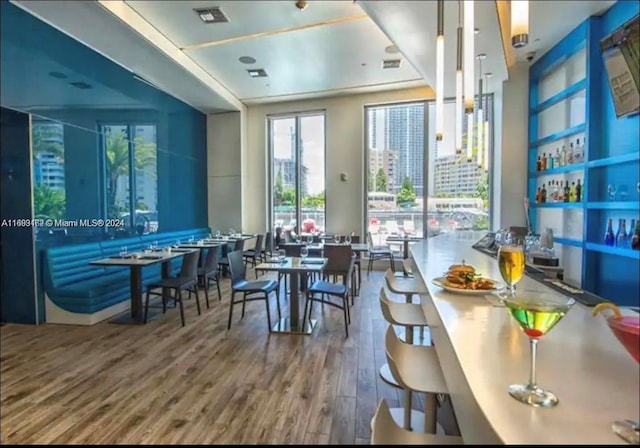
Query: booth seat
(79, 293)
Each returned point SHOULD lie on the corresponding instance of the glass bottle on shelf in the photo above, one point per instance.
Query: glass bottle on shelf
(538, 195)
(556, 191)
(550, 164)
(572, 192)
(570, 154)
(539, 164)
(635, 239)
(567, 192)
(578, 191)
(621, 237)
(544, 161)
(632, 226)
(578, 152)
(609, 238)
(556, 159)
(563, 156)
(543, 194)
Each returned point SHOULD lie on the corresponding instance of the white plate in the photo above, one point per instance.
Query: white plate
(439, 281)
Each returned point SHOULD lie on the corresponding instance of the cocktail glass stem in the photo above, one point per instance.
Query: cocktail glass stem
(533, 343)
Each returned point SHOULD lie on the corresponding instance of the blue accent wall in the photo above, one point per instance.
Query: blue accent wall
(612, 158)
(76, 92)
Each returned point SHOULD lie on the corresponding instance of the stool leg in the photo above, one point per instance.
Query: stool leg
(407, 409)
(408, 334)
(430, 413)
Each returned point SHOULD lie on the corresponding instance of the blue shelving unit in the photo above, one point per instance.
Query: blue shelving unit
(611, 156)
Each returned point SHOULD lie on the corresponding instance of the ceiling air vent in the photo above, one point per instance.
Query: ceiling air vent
(391, 63)
(211, 15)
(81, 85)
(257, 73)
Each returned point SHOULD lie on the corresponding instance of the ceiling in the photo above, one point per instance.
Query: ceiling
(330, 48)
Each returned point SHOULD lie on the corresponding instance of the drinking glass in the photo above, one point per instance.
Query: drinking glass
(511, 261)
(282, 255)
(626, 329)
(310, 239)
(123, 251)
(611, 190)
(336, 238)
(208, 236)
(154, 245)
(304, 252)
(347, 239)
(191, 239)
(177, 243)
(217, 234)
(536, 313)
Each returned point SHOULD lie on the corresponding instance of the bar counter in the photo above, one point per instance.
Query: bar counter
(482, 351)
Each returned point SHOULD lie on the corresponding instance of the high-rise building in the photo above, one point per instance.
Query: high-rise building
(48, 148)
(385, 160)
(286, 168)
(455, 176)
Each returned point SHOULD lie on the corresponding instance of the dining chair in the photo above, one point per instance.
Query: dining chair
(209, 273)
(253, 256)
(378, 253)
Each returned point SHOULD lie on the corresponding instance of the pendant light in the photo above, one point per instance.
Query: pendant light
(480, 115)
(440, 72)
(486, 124)
(459, 85)
(469, 72)
(519, 23)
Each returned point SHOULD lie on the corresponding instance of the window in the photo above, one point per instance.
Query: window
(130, 155)
(297, 180)
(49, 193)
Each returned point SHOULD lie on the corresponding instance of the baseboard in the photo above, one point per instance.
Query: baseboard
(56, 315)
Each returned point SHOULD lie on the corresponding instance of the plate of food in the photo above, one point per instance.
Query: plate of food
(463, 279)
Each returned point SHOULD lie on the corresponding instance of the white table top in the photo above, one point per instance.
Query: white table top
(482, 351)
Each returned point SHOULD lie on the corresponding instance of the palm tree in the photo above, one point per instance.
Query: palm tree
(48, 202)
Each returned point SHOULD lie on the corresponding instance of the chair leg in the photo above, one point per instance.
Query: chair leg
(244, 302)
(346, 304)
(218, 287)
(254, 264)
(306, 309)
(278, 303)
(370, 265)
(347, 319)
(233, 295)
(195, 289)
(206, 290)
(266, 301)
(179, 299)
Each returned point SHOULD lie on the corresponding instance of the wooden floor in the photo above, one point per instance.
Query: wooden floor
(161, 383)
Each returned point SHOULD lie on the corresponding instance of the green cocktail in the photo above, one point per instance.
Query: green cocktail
(536, 313)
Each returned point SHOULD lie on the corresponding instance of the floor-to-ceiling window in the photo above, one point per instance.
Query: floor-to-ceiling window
(395, 177)
(409, 193)
(297, 152)
(130, 155)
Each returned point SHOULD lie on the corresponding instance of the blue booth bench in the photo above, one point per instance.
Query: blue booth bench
(82, 294)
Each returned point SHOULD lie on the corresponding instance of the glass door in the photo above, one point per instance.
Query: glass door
(297, 180)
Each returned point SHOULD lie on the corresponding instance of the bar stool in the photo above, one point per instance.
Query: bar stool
(407, 286)
(385, 431)
(407, 315)
(417, 369)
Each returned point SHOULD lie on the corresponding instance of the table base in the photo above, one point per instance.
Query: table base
(387, 376)
(284, 326)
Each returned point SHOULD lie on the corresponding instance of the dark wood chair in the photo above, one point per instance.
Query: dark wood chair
(209, 273)
(253, 256)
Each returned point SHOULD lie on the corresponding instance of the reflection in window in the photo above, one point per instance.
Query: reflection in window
(120, 142)
(48, 170)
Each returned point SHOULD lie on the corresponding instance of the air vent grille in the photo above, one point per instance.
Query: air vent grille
(212, 15)
(391, 63)
(81, 85)
(257, 73)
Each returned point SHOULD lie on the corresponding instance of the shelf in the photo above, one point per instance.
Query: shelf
(563, 95)
(630, 253)
(614, 160)
(560, 170)
(558, 136)
(614, 205)
(558, 205)
(567, 242)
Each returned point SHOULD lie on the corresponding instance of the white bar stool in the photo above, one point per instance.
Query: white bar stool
(385, 431)
(415, 368)
(407, 286)
(407, 315)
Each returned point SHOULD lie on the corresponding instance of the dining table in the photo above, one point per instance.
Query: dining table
(136, 262)
(482, 351)
(297, 269)
(405, 240)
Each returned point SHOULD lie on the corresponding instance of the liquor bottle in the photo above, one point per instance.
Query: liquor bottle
(563, 156)
(572, 192)
(539, 164)
(635, 239)
(544, 161)
(567, 192)
(632, 227)
(543, 197)
(554, 191)
(570, 154)
(609, 238)
(578, 191)
(538, 195)
(621, 237)
(578, 152)
(556, 158)
(550, 164)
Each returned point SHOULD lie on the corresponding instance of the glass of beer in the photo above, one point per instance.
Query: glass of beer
(511, 262)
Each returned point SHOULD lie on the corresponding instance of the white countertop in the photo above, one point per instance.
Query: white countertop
(482, 351)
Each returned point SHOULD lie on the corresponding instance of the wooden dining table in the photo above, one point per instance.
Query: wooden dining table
(296, 268)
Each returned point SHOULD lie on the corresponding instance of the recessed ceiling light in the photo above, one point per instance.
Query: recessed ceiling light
(211, 15)
(257, 73)
(392, 49)
(81, 85)
(247, 60)
(476, 30)
(364, 64)
(391, 63)
(58, 75)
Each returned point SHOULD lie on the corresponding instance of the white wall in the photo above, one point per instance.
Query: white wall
(511, 148)
(345, 140)
(225, 143)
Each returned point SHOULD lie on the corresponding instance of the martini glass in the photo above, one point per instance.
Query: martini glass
(536, 313)
(627, 330)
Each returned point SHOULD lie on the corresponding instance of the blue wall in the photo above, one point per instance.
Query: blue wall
(58, 80)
